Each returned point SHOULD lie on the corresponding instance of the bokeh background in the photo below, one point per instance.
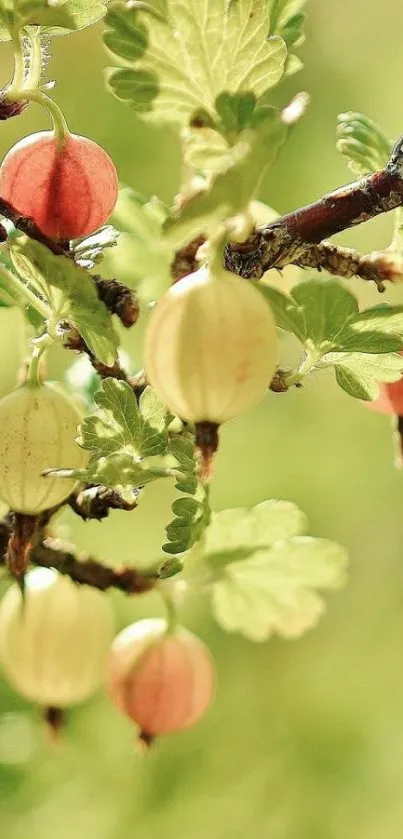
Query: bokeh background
(305, 740)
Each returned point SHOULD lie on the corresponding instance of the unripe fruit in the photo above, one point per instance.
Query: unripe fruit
(68, 188)
(38, 425)
(390, 399)
(211, 346)
(55, 642)
(163, 682)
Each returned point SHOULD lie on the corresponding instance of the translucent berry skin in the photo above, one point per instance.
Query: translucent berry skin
(38, 427)
(162, 682)
(211, 347)
(390, 399)
(55, 642)
(68, 189)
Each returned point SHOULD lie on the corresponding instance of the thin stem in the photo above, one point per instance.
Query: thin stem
(171, 613)
(33, 76)
(308, 362)
(60, 126)
(22, 291)
(42, 344)
(396, 244)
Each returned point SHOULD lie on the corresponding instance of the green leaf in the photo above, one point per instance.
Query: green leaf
(121, 426)
(191, 515)
(287, 19)
(266, 573)
(376, 330)
(324, 315)
(181, 56)
(232, 189)
(121, 438)
(327, 306)
(91, 250)
(56, 18)
(363, 143)
(70, 294)
(242, 530)
(142, 258)
(289, 316)
(359, 373)
(183, 450)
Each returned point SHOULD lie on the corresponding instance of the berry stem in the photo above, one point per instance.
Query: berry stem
(171, 614)
(33, 375)
(60, 126)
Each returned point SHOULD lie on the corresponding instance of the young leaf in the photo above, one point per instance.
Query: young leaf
(232, 189)
(120, 436)
(54, 18)
(182, 56)
(90, 251)
(359, 373)
(266, 573)
(142, 258)
(70, 294)
(324, 316)
(363, 143)
(287, 19)
(191, 515)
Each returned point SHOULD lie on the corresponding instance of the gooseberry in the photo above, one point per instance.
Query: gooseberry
(54, 641)
(390, 399)
(68, 187)
(38, 426)
(211, 346)
(163, 681)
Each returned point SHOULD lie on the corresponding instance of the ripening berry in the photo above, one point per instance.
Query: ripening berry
(69, 189)
(163, 682)
(211, 346)
(390, 399)
(55, 642)
(38, 425)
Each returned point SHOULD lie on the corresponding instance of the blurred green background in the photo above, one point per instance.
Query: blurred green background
(305, 740)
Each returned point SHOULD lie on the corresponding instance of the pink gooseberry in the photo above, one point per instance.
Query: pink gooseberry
(390, 399)
(163, 681)
(68, 188)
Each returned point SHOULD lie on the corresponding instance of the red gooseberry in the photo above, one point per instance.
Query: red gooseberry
(69, 188)
(162, 681)
(390, 399)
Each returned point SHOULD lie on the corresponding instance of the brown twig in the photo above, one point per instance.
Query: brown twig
(53, 553)
(295, 237)
(119, 299)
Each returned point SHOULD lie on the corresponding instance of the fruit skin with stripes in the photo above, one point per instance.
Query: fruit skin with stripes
(390, 399)
(162, 680)
(54, 640)
(211, 346)
(68, 187)
(38, 425)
